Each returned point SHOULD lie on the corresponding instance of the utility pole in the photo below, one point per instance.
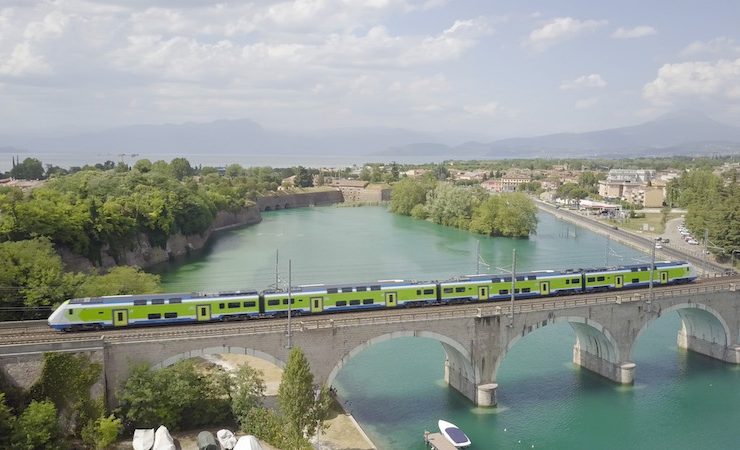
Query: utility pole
(477, 258)
(513, 286)
(277, 276)
(706, 251)
(652, 272)
(290, 305)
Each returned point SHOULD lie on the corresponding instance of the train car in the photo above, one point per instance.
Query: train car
(638, 276)
(320, 298)
(153, 309)
(498, 287)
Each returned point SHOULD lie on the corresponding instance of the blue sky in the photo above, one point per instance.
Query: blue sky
(493, 68)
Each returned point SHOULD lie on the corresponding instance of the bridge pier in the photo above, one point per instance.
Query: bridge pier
(730, 354)
(622, 373)
(481, 395)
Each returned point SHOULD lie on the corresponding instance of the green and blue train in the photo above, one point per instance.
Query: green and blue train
(159, 309)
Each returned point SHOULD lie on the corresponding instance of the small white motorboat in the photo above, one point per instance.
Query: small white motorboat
(453, 434)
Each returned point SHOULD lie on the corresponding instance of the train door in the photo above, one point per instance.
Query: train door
(544, 288)
(317, 304)
(120, 317)
(482, 292)
(390, 299)
(619, 281)
(203, 312)
(663, 277)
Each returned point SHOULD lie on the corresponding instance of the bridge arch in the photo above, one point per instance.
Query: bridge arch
(457, 355)
(591, 337)
(216, 351)
(698, 321)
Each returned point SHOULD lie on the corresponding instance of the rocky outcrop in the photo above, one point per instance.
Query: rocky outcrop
(143, 254)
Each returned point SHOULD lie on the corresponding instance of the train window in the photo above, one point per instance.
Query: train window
(342, 303)
(506, 279)
(428, 291)
(418, 292)
(447, 290)
(375, 288)
(70, 311)
(175, 300)
(590, 279)
(516, 291)
(526, 289)
(250, 304)
(170, 315)
(532, 277)
(154, 316)
(221, 305)
(273, 302)
(157, 301)
(234, 304)
(332, 291)
(361, 289)
(460, 289)
(599, 278)
(519, 278)
(567, 281)
(634, 269)
(575, 280)
(635, 280)
(349, 289)
(120, 317)
(139, 302)
(503, 291)
(354, 302)
(367, 301)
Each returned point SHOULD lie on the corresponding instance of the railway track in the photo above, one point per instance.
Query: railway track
(38, 332)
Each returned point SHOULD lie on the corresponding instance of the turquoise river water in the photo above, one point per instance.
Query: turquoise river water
(395, 389)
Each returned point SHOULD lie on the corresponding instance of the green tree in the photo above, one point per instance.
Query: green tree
(29, 169)
(408, 193)
(247, 392)
(180, 168)
(143, 165)
(302, 177)
(296, 395)
(365, 174)
(7, 421)
(103, 432)
(33, 278)
(37, 427)
(121, 280)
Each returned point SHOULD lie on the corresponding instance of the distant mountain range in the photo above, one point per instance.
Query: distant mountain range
(682, 133)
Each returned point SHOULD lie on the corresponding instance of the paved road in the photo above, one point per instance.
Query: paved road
(645, 244)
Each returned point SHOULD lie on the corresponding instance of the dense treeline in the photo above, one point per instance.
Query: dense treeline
(713, 204)
(92, 209)
(33, 280)
(465, 207)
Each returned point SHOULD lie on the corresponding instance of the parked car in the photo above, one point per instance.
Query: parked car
(693, 242)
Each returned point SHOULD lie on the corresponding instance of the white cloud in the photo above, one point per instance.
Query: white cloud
(490, 109)
(24, 61)
(632, 33)
(721, 46)
(593, 80)
(559, 30)
(695, 81)
(586, 103)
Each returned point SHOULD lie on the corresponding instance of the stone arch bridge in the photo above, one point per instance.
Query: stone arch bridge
(475, 338)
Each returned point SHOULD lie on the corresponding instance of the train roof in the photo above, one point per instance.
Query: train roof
(376, 284)
(108, 299)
